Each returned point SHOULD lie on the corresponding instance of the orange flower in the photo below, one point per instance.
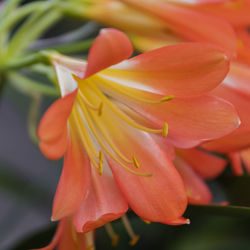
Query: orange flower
(66, 238)
(195, 166)
(157, 23)
(111, 122)
(236, 89)
(235, 12)
(240, 160)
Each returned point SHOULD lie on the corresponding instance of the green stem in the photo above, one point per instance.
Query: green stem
(31, 87)
(46, 70)
(76, 47)
(40, 57)
(32, 29)
(9, 6)
(2, 83)
(33, 117)
(7, 11)
(18, 15)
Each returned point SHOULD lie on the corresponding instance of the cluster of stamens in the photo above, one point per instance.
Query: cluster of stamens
(89, 106)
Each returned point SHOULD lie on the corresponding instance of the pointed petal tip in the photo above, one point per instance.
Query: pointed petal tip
(106, 218)
(110, 47)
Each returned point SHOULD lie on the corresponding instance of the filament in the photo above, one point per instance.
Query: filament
(134, 237)
(111, 233)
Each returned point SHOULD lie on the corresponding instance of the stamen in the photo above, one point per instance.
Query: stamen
(121, 114)
(90, 241)
(90, 105)
(100, 109)
(100, 156)
(84, 138)
(111, 233)
(147, 221)
(74, 233)
(100, 170)
(102, 144)
(165, 130)
(106, 137)
(134, 237)
(124, 91)
(167, 98)
(136, 163)
(83, 133)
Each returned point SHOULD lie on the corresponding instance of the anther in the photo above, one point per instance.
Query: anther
(134, 237)
(90, 247)
(100, 169)
(101, 156)
(167, 98)
(134, 240)
(147, 221)
(165, 129)
(240, 44)
(111, 233)
(100, 164)
(100, 109)
(136, 163)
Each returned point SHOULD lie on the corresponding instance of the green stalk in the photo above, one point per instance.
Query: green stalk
(40, 57)
(31, 87)
(18, 15)
(33, 117)
(9, 6)
(32, 29)
(75, 47)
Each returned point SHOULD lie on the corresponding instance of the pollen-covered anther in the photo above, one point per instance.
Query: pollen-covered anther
(240, 44)
(113, 236)
(100, 169)
(100, 109)
(90, 247)
(134, 237)
(167, 98)
(134, 240)
(165, 129)
(136, 163)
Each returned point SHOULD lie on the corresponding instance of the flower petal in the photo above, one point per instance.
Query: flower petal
(103, 204)
(245, 156)
(69, 64)
(197, 190)
(193, 25)
(55, 149)
(70, 239)
(54, 121)
(160, 198)
(193, 2)
(187, 69)
(52, 130)
(110, 47)
(204, 163)
(74, 181)
(57, 236)
(191, 120)
(236, 163)
(234, 12)
(235, 89)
